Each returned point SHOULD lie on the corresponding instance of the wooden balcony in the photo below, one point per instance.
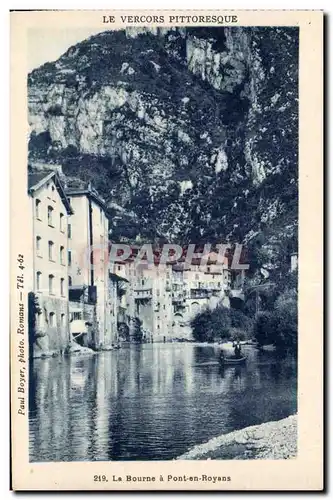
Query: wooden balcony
(142, 293)
(178, 298)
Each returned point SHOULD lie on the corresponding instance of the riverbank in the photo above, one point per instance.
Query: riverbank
(73, 349)
(271, 441)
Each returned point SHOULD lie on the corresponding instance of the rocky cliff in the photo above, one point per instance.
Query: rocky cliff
(189, 134)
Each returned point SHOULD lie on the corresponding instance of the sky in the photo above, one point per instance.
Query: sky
(48, 45)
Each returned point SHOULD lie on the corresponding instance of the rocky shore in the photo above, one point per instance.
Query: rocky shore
(270, 441)
(73, 349)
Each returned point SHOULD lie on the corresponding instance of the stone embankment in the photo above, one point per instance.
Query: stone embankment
(270, 441)
(74, 349)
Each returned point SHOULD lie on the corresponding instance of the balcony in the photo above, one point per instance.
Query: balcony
(200, 295)
(178, 298)
(83, 293)
(200, 292)
(216, 286)
(142, 293)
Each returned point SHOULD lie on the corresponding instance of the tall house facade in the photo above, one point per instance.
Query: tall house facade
(48, 303)
(88, 265)
(118, 292)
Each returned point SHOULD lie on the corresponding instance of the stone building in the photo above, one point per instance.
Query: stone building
(117, 291)
(196, 287)
(167, 297)
(48, 294)
(88, 271)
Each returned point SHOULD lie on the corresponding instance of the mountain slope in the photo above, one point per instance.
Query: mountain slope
(189, 134)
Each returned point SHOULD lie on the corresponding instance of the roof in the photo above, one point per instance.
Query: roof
(115, 277)
(36, 180)
(90, 193)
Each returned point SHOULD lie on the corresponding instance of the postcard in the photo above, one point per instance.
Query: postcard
(166, 271)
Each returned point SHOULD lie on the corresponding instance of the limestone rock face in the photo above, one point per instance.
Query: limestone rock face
(189, 134)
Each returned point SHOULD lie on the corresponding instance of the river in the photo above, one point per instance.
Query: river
(150, 402)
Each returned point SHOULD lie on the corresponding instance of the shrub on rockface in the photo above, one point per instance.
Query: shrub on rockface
(222, 323)
(237, 334)
(241, 322)
(286, 321)
(279, 327)
(263, 328)
(202, 327)
(137, 333)
(123, 332)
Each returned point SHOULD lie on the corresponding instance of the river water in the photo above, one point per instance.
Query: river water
(151, 401)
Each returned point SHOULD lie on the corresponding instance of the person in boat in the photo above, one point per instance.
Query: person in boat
(238, 351)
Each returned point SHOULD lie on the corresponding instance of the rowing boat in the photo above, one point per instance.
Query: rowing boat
(232, 361)
(207, 363)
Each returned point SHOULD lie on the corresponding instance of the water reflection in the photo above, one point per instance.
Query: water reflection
(150, 402)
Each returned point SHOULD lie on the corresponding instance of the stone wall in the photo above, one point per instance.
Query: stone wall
(51, 339)
(89, 316)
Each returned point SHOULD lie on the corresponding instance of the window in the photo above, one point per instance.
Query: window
(52, 319)
(62, 287)
(142, 282)
(62, 319)
(38, 280)
(119, 268)
(51, 281)
(37, 208)
(62, 223)
(101, 215)
(50, 250)
(69, 280)
(38, 246)
(69, 257)
(50, 216)
(76, 315)
(62, 253)
(69, 230)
